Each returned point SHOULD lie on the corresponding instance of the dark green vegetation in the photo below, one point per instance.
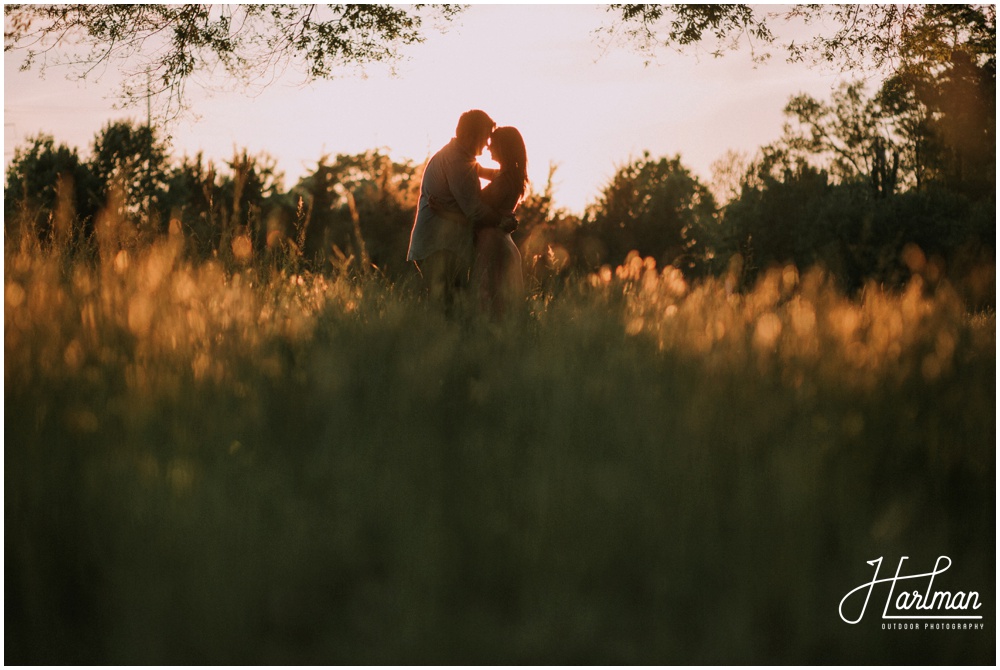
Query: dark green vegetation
(208, 464)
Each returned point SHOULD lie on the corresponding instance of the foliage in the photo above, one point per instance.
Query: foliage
(550, 238)
(192, 194)
(655, 207)
(856, 181)
(961, 110)
(212, 464)
(160, 47)
(774, 221)
(251, 184)
(944, 30)
(851, 37)
(914, 133)
(789, 211)
(853, 133)
(361, 208)
(130, 159)
(815, 196)
(46, 184)
(690, 25)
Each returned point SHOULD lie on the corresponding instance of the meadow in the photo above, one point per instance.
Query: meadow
(236, 463)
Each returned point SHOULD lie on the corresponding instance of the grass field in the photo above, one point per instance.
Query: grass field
(205, 464)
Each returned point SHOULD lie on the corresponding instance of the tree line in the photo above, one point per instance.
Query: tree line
(862, 184)
(865, 183)
(871, 185)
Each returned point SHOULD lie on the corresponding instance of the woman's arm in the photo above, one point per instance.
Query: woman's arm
(500, 194)
(486, 173)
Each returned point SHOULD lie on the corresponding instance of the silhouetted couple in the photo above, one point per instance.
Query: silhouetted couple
(461, 235)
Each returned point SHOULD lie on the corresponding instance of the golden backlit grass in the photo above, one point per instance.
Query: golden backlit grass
(224, 462)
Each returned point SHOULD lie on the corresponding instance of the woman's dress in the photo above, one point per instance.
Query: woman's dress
(496, 270)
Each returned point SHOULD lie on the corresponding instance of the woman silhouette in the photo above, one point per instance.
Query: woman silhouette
(496, 270)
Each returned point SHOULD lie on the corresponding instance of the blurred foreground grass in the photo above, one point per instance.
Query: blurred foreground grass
(209, 466)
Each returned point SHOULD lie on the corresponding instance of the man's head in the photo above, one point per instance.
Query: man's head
(474, 130)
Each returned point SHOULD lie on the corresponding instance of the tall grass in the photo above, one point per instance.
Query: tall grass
(225, 463)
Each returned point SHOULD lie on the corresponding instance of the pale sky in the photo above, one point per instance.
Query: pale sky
(540, 68)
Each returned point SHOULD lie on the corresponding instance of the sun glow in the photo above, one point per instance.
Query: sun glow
(581, 106)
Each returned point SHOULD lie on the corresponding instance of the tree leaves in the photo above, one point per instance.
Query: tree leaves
(158, 48)
(880, 36)
(691, 24)
(652, 206)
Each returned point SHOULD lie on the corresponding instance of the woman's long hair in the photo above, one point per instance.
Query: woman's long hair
(509, 151)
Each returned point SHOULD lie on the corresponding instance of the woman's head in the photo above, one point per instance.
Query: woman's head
(507, 149)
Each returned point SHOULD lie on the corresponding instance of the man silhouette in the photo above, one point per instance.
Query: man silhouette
(450, 209)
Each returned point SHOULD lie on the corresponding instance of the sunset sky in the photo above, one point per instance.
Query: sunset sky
(579, 103)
